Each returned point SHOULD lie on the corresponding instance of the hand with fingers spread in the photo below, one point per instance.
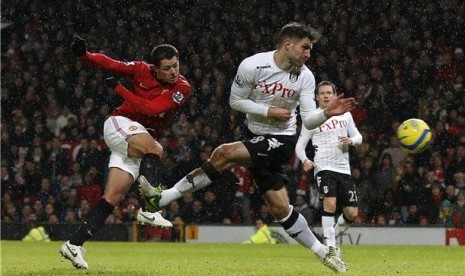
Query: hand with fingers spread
(339, 105)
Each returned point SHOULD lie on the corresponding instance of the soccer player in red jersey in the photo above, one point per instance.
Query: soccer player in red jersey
(158, 92)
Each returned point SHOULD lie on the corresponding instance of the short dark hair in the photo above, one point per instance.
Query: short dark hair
(163, 51)
(326, 83)
(297, 30)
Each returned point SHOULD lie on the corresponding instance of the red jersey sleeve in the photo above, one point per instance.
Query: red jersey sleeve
(165, 102)
(102, 61)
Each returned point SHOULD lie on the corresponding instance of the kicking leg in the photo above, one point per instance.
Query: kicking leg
(118, 185)
(297, 228)
(223, 158)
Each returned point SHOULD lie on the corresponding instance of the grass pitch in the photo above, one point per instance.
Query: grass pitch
(126, 258)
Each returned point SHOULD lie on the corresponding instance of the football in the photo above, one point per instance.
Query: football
(414, 135)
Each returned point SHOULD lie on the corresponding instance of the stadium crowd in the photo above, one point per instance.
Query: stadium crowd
(400, 59)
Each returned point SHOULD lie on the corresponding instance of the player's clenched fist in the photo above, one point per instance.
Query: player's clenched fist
(79, 46)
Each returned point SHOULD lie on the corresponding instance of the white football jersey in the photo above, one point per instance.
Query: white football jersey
(330, 153)
(260, 84)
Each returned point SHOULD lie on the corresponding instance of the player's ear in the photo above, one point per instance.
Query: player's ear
(287, 43)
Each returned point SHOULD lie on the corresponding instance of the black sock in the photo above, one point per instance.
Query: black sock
(210, 171)
(150, 168)
(94, 220)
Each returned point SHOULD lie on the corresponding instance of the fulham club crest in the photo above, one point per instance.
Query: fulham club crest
(294, 74)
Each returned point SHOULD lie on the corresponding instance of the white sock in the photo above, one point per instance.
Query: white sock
(192, 182)
(302, 234)
(341, 222)
(169, 195)
(329, 233)
(342, 225)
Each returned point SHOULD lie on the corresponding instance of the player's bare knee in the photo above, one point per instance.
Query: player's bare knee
(279, 211)
(220, 157)
(221, 153)
(351, 213)
(329, 205)
(114, 199)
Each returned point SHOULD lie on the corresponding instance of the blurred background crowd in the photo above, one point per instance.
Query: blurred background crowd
(400, 59)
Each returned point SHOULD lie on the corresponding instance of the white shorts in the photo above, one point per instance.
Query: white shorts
(115, 132)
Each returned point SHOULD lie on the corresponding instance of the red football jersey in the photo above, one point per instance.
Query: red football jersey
(150, 103)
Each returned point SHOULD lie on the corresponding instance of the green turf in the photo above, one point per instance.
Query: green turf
(117, 258)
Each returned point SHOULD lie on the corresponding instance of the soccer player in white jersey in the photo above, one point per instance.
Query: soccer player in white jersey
(331, 141)
(268, 87)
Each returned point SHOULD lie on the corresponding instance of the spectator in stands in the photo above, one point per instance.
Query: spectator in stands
(185, 203)
(58, 161)
(385, 177)
(458, 164)
(244, 188)
(116, 216)
(7, 182)
(92, 156)
(46, 190)
(70, 216)
(432, 204)
(450, 193)
(53, 219)
(446, 214)
(90, 190)
(213, 208)
(264, 214)
(459, 182)
(173, 211)
(39, 158)
(302, 207)
(459, 207)
(84, 208)
(395, 218)
(76, 177)
(61, 202)
(409, 189)
(181, 127)
(414, 215)
(262, 234)
(395, 152)
(49, 211)
(197, 214)
(25, 212)
(11, 213)
(381, 220)
(63, 119)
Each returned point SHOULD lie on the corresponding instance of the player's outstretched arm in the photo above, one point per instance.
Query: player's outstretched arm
(101, 61)
(339, 105)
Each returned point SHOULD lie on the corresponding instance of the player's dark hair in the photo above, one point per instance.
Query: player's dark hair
(325, 83)
(163, 51)
(297, 30)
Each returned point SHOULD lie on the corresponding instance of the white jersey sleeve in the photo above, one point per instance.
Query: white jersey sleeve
(304, 138)
(311, 116)
(242, 89)
(352, 130)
